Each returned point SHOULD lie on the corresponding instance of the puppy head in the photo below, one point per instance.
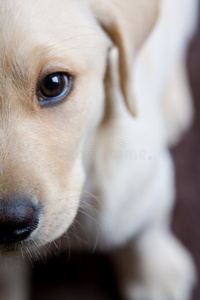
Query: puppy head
(53, 60)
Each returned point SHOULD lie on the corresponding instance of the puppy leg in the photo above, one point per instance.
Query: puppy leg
(14, 283)
(155, 267)
(178, 108)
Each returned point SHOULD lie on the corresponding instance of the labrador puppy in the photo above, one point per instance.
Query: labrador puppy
(92, 94)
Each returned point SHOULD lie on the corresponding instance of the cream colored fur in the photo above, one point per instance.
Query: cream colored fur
(127, 57)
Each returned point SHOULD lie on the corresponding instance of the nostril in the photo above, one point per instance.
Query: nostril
(18, 219)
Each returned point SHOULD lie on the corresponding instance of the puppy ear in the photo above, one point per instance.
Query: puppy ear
(128, 23)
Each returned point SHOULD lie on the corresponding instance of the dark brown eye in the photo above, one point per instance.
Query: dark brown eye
(54, 88)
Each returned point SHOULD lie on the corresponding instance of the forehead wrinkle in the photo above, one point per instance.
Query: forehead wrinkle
(20, 18)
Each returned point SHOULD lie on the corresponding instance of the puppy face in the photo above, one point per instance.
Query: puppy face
(42, 131)
(53, 59)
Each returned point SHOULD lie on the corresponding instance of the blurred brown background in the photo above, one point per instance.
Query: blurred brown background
(90, 276)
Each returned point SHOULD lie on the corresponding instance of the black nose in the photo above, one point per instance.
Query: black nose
(18, 219)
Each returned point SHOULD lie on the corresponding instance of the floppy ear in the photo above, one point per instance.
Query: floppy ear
(128, 23)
